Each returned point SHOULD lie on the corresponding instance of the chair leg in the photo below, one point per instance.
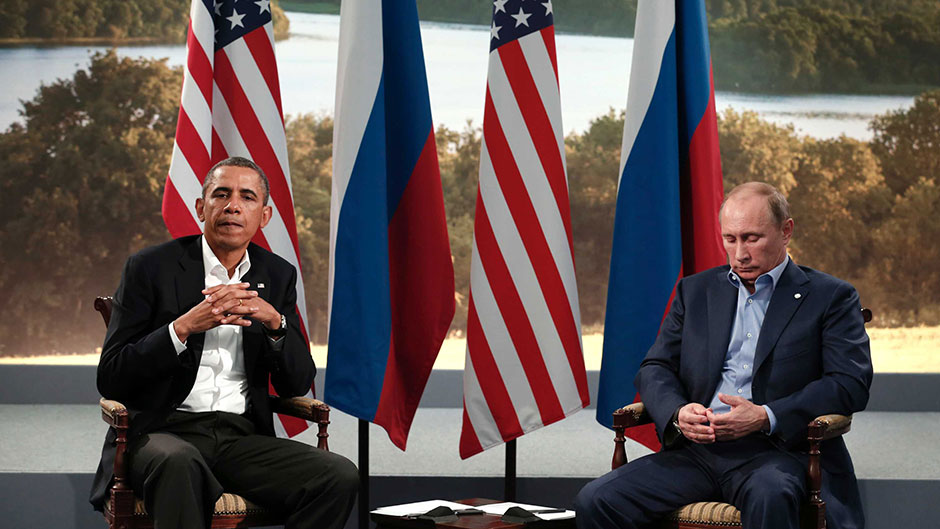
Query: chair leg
(814, 511)
(122, 496)
(122, 506)
(322, 434)
(620, 452)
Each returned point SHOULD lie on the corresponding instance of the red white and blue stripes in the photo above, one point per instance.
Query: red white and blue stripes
(669, 191)
(524, 366)
(231, 106)
(391, 275)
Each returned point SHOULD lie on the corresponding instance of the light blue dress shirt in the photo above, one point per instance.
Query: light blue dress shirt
(737, 373)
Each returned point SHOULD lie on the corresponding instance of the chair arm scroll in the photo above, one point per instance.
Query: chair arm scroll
(114, 413)
(308, 409)
(626, 417)
(833, 425)
(104, 305)
(632, 415)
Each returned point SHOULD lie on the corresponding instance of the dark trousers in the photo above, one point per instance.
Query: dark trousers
(182, 468)
(765, 483)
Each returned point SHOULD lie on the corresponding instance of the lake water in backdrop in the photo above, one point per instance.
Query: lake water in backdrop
(593, 71)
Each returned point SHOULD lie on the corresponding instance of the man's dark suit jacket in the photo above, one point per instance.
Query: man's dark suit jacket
(812, 359)
(139, 366)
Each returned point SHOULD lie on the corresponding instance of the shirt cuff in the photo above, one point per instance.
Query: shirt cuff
(177, 344)
(771, 417)
(277, 344)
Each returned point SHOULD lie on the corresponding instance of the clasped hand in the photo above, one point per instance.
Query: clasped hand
(226, 305)
(702, 425)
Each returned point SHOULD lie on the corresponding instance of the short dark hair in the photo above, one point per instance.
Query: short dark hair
(776, 203)
(238, 161)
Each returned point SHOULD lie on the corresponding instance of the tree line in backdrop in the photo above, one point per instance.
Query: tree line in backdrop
(861, 46)
(886, 46)
(109, 20)
(82, 181)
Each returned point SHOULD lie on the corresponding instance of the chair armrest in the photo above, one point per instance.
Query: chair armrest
(114, 413)
(307, 409)
(833, 425)
(632, 415)
(627, 417)
(304, 408)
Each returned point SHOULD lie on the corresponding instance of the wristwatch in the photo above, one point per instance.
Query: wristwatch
(279, 332)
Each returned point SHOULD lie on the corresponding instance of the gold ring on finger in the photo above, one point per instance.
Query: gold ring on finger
(240, 303)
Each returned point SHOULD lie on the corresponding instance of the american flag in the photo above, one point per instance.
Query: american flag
(231, 106)
(524, 367)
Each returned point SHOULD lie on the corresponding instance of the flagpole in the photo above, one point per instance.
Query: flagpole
(363, 474)
(509, 483)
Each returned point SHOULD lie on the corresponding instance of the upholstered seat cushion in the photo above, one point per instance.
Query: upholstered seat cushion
(227, 505)
(710, 513)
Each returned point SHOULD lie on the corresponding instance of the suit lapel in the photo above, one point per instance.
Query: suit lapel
(259, 280)
(189, 285)
(791, 290)
(722, 303)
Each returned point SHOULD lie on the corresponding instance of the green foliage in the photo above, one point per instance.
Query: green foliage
(81, 189)
(752, 148)
(905, 269)
(106, 19)
(907, 142)
(840, 194)
(310, 149)
(824, 46)
(14, 13)
(593, 168)
(459, 158)
(280, 21)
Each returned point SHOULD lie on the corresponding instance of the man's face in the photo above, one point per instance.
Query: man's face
(754, 242)
(233, 208)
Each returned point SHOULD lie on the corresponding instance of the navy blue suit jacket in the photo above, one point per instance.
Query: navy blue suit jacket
(812, 359)
(139, 366)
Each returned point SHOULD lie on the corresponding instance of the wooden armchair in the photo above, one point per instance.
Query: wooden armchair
(123, 510)
(704, 515)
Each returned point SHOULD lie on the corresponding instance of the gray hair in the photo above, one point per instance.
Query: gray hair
(776, 203)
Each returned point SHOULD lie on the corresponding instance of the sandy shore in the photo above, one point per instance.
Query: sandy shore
(912, 350)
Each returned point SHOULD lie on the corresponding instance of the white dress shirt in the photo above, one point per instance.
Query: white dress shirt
(221, 383)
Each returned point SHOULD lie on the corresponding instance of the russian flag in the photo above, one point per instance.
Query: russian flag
(669, 193)
(391, 275)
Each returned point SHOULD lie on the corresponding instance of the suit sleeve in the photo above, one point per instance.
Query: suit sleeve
(657, 380)
(291, 365)
(134, 353)
(847, 370)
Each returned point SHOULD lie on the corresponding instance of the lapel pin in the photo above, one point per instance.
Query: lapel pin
(797, 295)
(261, 285)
